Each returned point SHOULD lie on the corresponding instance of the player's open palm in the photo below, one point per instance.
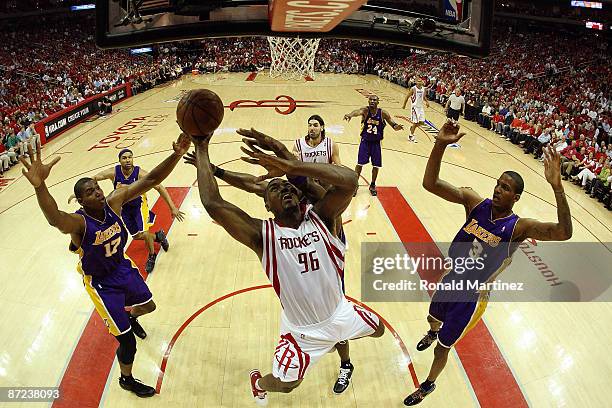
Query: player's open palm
(261, 140)
(449, 133)
(552, 166)
(36, 171)
(275, 167)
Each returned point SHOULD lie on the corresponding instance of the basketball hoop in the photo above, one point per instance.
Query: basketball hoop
(292, 57)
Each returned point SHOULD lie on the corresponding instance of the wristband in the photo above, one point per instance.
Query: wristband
(219, 172)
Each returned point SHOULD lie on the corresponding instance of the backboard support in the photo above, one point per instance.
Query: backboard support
(460, 26)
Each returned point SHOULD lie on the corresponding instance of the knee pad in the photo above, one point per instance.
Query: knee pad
(127, 347)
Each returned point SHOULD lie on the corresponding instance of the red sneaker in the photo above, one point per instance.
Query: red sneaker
(260, 396)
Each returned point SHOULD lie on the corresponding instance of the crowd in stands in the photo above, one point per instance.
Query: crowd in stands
(560, 94)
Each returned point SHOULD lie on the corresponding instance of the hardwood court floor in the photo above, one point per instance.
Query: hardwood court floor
(558, 353)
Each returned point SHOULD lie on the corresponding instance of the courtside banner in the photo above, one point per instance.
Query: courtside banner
(66, 118)
(63, 120)
(453, 10)
(310, 15)
(118, 94)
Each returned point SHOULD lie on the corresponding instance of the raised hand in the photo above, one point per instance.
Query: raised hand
(182, 144)
(190, 158)
(347, 118)
(36, 171)
(275, 166)
(254, 137)
(552, 167)
(449, 133)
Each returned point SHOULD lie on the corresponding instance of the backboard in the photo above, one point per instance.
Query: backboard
(461, 26)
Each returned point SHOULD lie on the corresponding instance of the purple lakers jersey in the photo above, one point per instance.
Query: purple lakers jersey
(103, 245)
(484, 239)
(121, 179)
(373, 126)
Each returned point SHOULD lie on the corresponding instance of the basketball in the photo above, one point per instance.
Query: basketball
(199, 112)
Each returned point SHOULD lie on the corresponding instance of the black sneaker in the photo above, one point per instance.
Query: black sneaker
(160, 236)
(344, 380)
(137, 328)
(426, 341)
(418, 396)
(138, 388)
(150, 263)
(373, 190)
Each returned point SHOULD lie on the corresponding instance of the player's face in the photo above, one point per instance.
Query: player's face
(92, 196)
(281, 196)
(373, 101)
(314, 129)
(504, 195)
(126, 161)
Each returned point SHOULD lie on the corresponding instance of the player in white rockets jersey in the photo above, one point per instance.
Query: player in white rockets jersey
(302, 257)
(417, 96)
(315, 147)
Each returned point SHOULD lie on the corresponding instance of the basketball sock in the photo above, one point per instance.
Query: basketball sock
(346, 364)
(426, 385)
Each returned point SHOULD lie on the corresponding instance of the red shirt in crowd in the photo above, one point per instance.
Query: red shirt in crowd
(516, 122)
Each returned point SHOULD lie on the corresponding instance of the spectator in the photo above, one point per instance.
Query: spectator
(105, 106)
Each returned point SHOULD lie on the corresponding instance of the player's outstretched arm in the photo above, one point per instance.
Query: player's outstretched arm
(152, 179)
(236, 222)
(163, 193)
(387, 118)
(549, 231)
(449, 133)
(254, 137)
(243, 181)
(36, 172)
(355, 113)
(107, 174)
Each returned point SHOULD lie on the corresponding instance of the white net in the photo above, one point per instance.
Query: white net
(293, 58)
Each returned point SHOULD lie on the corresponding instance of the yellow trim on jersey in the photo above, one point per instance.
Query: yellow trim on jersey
(99, 303)
(132, 262)
(483, 300)
(503, 266)
(144, 213)
(100, 306)
(481, 306)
